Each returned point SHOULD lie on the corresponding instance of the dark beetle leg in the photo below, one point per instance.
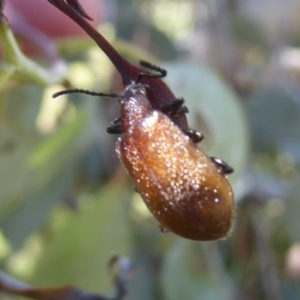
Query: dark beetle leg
(175, 108)
(161, 72)
(182, 110)
(116, 121)
(222, 165)
(194, 135)
(115, 127)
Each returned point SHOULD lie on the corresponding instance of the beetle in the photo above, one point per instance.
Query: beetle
(185, 190)
(159, 94)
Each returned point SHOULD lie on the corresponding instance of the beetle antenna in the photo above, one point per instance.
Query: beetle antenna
(73, 91)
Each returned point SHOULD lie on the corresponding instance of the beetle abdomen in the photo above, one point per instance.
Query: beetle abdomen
(180, 185)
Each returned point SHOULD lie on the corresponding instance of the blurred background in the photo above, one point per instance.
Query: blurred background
(66, 204)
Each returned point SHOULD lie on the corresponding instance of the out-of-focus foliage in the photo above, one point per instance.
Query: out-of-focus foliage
(66, 204)
(120, 268)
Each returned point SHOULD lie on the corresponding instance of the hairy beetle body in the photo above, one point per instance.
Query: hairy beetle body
(181, 186)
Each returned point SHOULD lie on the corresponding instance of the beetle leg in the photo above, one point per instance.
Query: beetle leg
(222, 165)
(115, 127)
(175, 108)
(161, 72)
(195, 136)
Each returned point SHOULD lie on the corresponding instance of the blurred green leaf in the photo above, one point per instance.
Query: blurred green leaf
(248, 33)
(142, 286)
(79, 251)
(15, 65)
(161, 45)
(35, 178)
(58, 142)
(291, 213)
(22, 167)
(15, 176)
(275, 120)
(24, 104)
(33, 212)
(291, 291)
(183, 277)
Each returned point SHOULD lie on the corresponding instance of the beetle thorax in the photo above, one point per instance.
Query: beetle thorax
(134, 105)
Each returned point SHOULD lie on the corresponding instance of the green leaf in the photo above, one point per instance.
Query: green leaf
(291, 213)
(15, 176)
(57, 143)
(79, 251)
(248, 33)
(17, 66)
(24, 104)
(35, 179)
(35, 208)
(183, 277)
(24, 165)
(275, 120)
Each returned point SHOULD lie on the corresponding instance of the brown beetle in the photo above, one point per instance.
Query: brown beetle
(185, 190)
